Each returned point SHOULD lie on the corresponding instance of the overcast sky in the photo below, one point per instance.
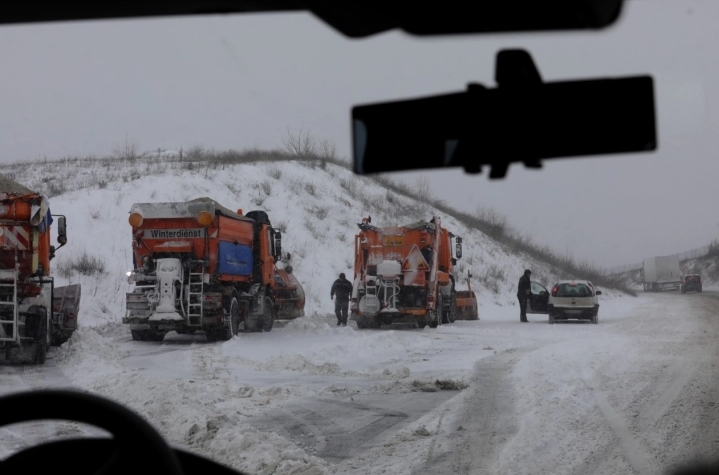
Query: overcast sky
(243, 80)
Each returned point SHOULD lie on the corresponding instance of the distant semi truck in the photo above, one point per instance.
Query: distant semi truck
(662, 273)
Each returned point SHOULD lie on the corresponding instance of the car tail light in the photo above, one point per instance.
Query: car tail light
(555, 290)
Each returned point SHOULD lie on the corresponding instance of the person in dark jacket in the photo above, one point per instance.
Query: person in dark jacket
(342, 288)
(523, 289)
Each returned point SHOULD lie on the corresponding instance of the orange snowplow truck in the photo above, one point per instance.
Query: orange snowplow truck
(201, 266)
(34, 314)
(405, 274)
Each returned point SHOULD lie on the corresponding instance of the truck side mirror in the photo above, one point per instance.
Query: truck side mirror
(278, 244)
(62, 230)
(52, 252)
(458, 247)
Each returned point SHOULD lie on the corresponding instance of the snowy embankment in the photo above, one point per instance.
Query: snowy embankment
(204, 396)
(316, 207)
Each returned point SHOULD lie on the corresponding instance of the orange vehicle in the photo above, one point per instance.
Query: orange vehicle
(201, 266)
(34, 314)
(405, 274)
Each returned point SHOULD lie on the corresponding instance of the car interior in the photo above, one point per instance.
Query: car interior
(559, 120)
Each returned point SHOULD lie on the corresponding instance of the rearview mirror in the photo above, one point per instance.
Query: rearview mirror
(522, 120)
(599, 292)
(458, 250)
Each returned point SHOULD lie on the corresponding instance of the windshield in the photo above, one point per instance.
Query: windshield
(226, 275)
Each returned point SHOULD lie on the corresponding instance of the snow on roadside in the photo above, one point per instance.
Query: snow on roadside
(203, 416)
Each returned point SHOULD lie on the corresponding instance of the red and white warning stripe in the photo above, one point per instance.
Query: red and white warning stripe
(15, 236)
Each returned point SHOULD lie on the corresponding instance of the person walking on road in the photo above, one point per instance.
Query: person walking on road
(342, 288)
(523, 289)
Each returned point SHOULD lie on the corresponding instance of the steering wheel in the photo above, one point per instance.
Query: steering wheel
(135, 447)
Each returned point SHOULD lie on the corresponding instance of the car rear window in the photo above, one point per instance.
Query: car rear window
(573, 290)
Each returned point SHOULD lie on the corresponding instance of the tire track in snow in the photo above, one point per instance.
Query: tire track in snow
(634, 452)
(332, 442)
(487, 419)
(649, 414)
(664, 393)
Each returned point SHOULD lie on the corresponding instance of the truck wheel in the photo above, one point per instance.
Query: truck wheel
(40, 353)
(218, 334)
(268, 318)
(421, 325)
(154, 335)
(361, 324)
(234, 312)
(595, 319)
(441, 315)
(138, 335)
(452, 314)
(435, 318)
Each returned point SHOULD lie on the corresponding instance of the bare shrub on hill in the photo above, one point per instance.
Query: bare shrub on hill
(275, 172)
(350, 186)
(491, 277)
(128, 150)
(84, 264)
(281, 226)
(423, 190)
(317, 234)
(56, 188)
(319, 212)
(300, 145)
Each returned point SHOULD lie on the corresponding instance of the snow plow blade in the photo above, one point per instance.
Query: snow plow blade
(467, 305)
(289, 295)
(65, 308)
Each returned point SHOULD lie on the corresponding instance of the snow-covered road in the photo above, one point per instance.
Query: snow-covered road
(637, 393)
